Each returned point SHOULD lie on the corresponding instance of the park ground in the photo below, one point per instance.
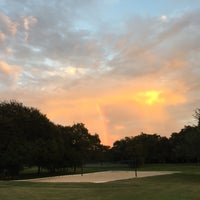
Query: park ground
(178, 186)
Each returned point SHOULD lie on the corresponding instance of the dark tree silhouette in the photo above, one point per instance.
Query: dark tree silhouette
(28, 138)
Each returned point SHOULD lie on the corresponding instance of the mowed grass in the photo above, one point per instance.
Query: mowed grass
(180, 186)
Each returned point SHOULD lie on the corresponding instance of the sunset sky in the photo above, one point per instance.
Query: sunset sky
(121, 67)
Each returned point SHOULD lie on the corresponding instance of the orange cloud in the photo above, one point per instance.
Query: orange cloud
(28, 21)
(2, 36)
(12, 27)
(118, 111)
(86, 110)
(8, 71)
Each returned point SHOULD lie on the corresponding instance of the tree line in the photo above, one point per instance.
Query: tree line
(181, 147)
(28, 138)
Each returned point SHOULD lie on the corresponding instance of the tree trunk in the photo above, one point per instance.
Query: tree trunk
(74, 169)
(39, 170)
(135, 172)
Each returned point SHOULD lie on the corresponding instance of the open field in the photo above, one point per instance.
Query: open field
(180, 186)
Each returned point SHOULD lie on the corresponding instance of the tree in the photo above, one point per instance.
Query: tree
(29, 138)
(185, 145)
(79, 145)
(119, 149)
(66, 138)
(12, 146)
(144, 148)
(129, 151)
(23, 134)
(197, 116)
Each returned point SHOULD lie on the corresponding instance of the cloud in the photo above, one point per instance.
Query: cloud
(28, 21)
(77, 64)
(163, 18)
(2, 36)
(8, 26)
(8, 74)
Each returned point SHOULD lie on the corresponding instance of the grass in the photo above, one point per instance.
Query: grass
(185, 168)
(181, 186)
(31, 172)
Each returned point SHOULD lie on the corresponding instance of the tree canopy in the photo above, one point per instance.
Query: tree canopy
(28, 138)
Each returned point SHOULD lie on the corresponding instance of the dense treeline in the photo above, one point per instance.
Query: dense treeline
(181, 147)
(28, 138)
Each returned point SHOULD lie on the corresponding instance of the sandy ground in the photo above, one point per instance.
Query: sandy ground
(99, 177)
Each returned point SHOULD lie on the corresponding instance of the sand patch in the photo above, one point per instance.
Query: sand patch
(100, 177)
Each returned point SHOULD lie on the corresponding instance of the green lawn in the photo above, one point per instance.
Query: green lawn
(182, 186)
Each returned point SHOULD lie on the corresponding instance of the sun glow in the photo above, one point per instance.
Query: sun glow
(150, 97)
(103, 122)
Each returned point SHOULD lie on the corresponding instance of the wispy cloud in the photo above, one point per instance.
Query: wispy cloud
(103, 63)
(8, 74)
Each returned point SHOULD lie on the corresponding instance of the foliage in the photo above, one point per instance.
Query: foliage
(28, 139)
(144, 148)
(185, 145)
(197, 116)
(182, 147)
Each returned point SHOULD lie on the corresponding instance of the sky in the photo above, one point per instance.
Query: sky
(121, 67)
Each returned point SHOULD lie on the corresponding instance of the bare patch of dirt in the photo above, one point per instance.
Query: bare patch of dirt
(100, 177)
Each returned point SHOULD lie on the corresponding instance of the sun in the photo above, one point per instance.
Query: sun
(163, 18)
(149, 97)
